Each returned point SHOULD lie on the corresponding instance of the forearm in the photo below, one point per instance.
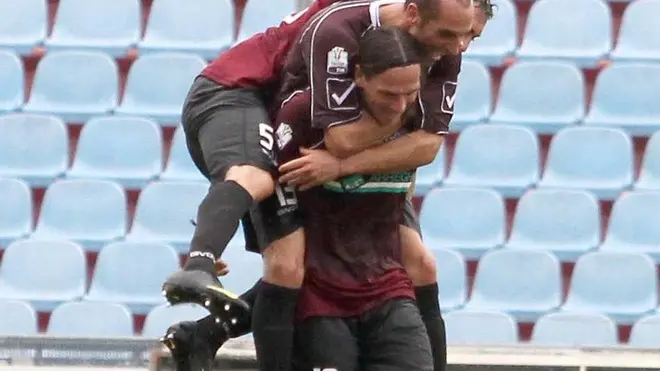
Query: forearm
(347, 140)
(402, 154)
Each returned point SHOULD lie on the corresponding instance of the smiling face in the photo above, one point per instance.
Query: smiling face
(388, 94)
(441, 25)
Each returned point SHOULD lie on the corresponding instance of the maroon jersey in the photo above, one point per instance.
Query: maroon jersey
(353, 246)
(322, 60)
(257, 62)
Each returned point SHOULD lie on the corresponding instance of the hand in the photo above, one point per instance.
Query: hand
(221, 268)
(314, 168)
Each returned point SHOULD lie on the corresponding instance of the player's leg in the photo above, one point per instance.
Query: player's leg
(278, 232)
(193, 344)
(230, 141)
(393, 338)
(327, 343)
(274, 228)
(421, 268)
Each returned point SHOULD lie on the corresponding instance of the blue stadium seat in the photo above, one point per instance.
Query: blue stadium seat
(636, 40)
(621, 285)
(248, 268)
(555, 100)
(470, 220)
(74, 85)
(164, 316)
(204, 27)
(87, 319)
(633, 224)
(179, 164)
(503, 157)
(483, 327)
(452, 278)
(128, 150)
(157, 85)
(649, 173)
(431, 175)
(34, 148)
(625, 96)
(499, 39)
(566, 222)
(139, 285)
(112, 27)
(257, 16)
(43, 273)
(473, 96)
(12, 90)
(90, 212)
(523, 283)
(164, 212)
(18, 318)
(553, 24)
(574, 329)
(22, 24)
(644, 333)
(15, 210)
(599, 160)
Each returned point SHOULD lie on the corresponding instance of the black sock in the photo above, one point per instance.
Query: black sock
(272, 324)
(214, 332)
(250, 296)
(217, 221)
(429, 308)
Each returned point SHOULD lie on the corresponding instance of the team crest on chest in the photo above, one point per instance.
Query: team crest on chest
(337, 61)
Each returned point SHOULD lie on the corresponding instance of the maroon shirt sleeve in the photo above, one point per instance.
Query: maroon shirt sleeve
(328, 49)
(438, 95)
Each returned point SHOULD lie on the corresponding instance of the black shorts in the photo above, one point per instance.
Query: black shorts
(278, 216)
(226, 127)
(391, 337)
(230, 127)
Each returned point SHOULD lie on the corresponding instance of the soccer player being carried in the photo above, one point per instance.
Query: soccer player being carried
(243, 171)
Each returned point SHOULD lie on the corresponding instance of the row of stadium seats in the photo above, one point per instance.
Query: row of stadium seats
(624, 96)
(463, 327)
(471, 220)
(204, 27)
(507, 158)
(94, 212)
(566, 222)
(127, 150)
(554, 329)
(553, 26)
(524, 284)
(76, 85)
(207, 27)
(120, 275)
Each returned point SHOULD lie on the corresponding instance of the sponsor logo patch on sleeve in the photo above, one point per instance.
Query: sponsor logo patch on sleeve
(337, 61)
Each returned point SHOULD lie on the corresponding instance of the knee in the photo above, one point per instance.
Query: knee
(427, 269)
(257, 182)
(284, 261)
(419, 262)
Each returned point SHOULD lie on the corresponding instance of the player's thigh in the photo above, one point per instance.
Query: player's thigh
(419, 262)
(326, 343)
(227, 127)
(395, 339)
(274, 228)
(410, 218)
